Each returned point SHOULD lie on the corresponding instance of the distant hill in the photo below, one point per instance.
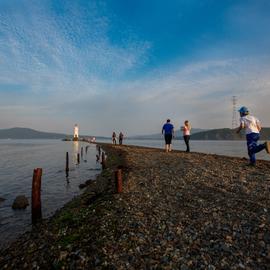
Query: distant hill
(158, 136)
(212, 134)
(227, 134)
(197, 134)
(27, 133)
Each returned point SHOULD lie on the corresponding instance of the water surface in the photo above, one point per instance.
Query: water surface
(18, 159)
(227, 148)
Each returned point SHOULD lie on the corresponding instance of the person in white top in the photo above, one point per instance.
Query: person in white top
(252, 128)
(186, 134)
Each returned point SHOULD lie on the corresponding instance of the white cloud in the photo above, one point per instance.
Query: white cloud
(37, 47)
(202, 92)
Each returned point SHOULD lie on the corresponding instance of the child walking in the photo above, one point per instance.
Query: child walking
(186, 134)
(252, 128)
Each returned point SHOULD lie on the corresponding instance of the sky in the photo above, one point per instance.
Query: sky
(123, 65)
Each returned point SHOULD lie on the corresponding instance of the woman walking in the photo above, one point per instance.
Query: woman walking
(186, 134)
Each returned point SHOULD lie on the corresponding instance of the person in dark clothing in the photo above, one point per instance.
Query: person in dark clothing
(121, 137)
(168, 131)
(114, 138)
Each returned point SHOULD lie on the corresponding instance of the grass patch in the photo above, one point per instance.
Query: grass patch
(58, 265)
(66, 218)
(69, 239)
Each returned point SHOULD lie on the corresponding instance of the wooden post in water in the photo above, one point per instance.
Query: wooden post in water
(78, 158)
(36, 200)
(82, 152)
(67, 164)
(118, 181)
(103, 160)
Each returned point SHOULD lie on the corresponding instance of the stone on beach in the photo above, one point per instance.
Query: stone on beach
(81, 186)
(85, 184)
(20, 202)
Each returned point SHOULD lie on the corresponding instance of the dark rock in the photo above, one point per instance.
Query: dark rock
(81, 186)
(267, 237)
(2, 200)
(184, 267)
(88, 182)
(21, 202)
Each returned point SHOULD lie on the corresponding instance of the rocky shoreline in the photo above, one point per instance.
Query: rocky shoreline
(177, 211)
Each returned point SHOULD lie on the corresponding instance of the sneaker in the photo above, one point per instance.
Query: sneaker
(267, 146)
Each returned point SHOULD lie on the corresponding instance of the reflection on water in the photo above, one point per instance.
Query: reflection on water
(18, 158)
(75, 151)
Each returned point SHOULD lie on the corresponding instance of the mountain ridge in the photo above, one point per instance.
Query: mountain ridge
(211, 134)
(178, 134)
(228, 134)
(28, 133)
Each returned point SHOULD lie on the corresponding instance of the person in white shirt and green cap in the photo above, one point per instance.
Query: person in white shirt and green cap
(252, 127)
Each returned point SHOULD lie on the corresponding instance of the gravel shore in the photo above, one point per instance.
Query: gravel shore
(177, 211)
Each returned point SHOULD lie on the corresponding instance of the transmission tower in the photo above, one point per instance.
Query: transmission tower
(234, 114)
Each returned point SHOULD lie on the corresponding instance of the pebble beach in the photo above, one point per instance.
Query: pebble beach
(177, 210)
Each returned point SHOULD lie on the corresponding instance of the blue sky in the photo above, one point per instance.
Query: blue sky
(129, 65)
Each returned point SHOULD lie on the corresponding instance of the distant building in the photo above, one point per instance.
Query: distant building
(76, 133)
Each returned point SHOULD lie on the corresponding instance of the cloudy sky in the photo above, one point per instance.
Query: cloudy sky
(129, 65)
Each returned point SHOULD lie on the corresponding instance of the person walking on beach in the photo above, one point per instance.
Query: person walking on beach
(252, 128)
(168, 131)
(186, 134)
(114, 138)
(121, 137)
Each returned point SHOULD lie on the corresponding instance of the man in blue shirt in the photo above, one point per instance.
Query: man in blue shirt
(168, 131)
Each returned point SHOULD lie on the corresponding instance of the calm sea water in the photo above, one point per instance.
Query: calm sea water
(227, 148)
(18, 158)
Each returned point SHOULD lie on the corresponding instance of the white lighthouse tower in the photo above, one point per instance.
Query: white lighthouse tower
(76, 133)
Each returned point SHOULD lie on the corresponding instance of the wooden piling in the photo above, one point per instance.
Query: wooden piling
(67, 164)
(78, 158)
(118, 181)
(36, 200)
(82, 152)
